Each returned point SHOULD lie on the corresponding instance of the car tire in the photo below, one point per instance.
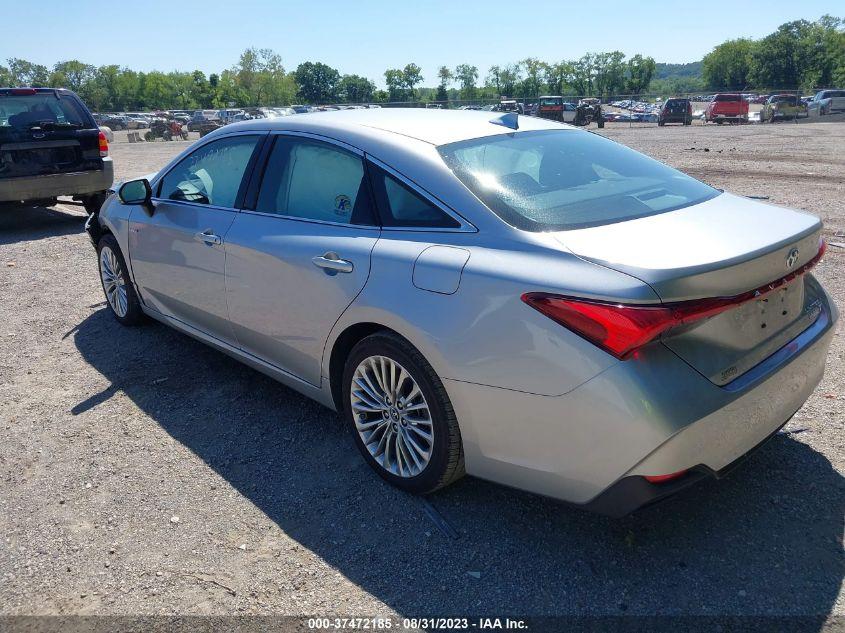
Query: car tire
(377, 421)
(117, 286)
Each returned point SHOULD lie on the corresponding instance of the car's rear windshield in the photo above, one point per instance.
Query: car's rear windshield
(676, 102)
(550, 101)
(727, 98)
(26, 111)
(553, 180)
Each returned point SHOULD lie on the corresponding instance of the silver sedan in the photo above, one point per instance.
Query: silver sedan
(486, 293)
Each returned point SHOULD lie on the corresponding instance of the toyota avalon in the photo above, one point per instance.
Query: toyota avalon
(488, 293)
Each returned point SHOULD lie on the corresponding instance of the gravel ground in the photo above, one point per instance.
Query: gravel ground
(143, 473)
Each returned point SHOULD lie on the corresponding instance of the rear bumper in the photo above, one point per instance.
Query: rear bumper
(634, 492)
(52, 185)
(650, 415)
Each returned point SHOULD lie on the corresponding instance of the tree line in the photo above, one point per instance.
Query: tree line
(259, 78)
(799, 55)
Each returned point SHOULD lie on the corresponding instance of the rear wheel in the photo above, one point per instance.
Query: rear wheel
(120, 294)
(400, 415)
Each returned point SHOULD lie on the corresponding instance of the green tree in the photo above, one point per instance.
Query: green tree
(728, 65)
(467, 75)
(494, 79)
(395, 80)
(608, 73)
(318, 83)
(25, 73)
(535, 72)
(412, 75)
(509, 78)
(72, 74)
(356, 89)
(640, 73)
(558, 77)
(446, 77)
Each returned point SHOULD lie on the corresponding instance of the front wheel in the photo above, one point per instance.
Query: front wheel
(114, 277)
(400, 415)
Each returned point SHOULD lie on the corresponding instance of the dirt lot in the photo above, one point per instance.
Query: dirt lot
(145, 473)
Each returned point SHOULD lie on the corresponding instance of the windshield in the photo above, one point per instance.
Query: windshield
(26, 111)
(566, 179)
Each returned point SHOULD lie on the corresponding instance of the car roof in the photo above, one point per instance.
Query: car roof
(433, 126)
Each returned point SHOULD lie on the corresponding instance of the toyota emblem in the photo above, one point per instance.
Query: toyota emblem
(792, 258)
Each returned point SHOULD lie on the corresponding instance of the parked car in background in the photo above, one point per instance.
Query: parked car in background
(675, 110)
(607, 342)
(115, 121)
(204, 120)
(826, 101)
(731, 108)
(510, 105)
(556, 109)
(137, 121)
(783, 107)
(51, 146)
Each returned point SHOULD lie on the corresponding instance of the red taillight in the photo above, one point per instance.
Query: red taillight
(616, 328)
(659, 479)
(104, 145)
(620, 329)
(23, 91)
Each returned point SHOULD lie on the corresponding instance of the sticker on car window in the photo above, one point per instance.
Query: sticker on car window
(342, 205)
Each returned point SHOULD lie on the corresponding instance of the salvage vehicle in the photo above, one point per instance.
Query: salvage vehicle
(165, 129)
(731, 108)
(51, 146)
(826, 101)
(783, 107)
(556, 109)
(675, 110)
(115, 121)
(488, 293)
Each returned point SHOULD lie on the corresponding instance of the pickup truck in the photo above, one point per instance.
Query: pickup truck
(727, 107)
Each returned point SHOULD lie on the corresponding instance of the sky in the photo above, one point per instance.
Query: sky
(365, 37)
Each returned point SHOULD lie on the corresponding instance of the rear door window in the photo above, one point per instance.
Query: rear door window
(313, 180)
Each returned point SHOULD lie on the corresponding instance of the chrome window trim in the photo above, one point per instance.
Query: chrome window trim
(366, 227)
(199, 205)
(465, 225)
(318, 137)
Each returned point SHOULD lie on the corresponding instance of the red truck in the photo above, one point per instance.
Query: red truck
(727, 107)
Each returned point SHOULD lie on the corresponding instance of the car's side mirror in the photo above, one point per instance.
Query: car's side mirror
(135, 192)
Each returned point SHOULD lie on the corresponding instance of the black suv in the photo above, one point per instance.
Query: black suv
(675, 111)
(51, 146)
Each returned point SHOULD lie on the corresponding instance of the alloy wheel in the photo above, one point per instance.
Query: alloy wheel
(114, 284)
(392, 416)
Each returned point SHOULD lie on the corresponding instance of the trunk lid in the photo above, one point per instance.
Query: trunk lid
(723, 247)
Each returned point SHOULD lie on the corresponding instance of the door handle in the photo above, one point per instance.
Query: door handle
(332, 263)
(208, 237)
